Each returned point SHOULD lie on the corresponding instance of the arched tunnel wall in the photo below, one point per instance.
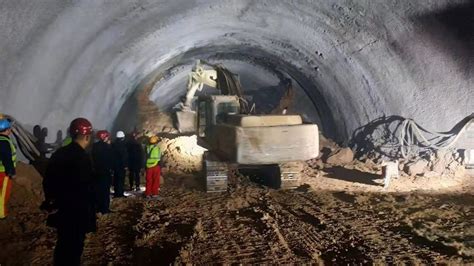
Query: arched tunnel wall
(355, 61)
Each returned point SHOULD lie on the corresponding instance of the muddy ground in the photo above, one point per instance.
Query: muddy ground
(255, 224)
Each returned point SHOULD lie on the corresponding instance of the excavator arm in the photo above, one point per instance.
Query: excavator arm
(196, 81)
(218, 77)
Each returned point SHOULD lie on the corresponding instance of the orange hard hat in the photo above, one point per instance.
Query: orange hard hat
(153, 139)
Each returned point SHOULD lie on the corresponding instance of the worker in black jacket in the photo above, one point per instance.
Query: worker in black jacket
(102, 159)
(69, 194)
(135, 161)
(119, 148)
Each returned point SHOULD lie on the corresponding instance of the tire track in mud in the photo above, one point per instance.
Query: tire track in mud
(358, 235)
(253, 224)
(114, 240)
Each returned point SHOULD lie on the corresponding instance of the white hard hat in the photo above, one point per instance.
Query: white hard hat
(120, 134)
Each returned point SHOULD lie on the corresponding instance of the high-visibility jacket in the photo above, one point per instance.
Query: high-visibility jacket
(153, 155)
(67, 141)
(12, 146)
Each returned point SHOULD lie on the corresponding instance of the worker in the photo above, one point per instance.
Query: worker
(67, 140)
(119, 148)
(7, 165)
(69, 194)
(153, 169)
(102, 160)
(135, 161)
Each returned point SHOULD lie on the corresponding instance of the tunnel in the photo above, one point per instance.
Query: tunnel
(351, 64)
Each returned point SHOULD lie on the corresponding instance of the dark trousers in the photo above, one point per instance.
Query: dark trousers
(69, 246)
(103, 193)
(134, 178)
(119, 182)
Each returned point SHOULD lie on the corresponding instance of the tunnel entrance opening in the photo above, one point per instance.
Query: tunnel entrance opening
(264, 78)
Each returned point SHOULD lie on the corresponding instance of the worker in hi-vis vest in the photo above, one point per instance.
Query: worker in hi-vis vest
(7, 165)
(153, 170)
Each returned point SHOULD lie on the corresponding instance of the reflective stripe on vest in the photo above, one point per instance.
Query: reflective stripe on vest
(12, 147)
(153, 156)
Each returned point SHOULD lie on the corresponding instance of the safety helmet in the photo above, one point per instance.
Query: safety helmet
(103, 135)
(80, 126)
(153, 139)
(120, 135)
(5, 124)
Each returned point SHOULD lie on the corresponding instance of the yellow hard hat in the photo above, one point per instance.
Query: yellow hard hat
(153, 139)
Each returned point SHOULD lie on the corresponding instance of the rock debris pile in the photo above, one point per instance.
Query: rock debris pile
(182, 154)
(446, 163)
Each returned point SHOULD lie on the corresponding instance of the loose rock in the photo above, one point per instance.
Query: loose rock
(416, 168)
(342, 156)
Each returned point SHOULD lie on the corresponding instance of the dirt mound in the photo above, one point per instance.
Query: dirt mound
(182, 154)
(336, 169)
(25, 223)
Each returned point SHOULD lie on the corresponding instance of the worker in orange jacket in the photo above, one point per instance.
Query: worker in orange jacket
(7, 165)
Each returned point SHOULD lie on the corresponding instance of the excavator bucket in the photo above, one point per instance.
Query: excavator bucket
(185, 121)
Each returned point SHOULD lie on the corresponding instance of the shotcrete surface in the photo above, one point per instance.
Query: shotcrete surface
(354, 61)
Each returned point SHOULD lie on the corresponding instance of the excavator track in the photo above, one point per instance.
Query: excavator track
(290, 175)
(216, 174)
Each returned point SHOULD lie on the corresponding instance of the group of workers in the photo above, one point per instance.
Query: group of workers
(77, 182)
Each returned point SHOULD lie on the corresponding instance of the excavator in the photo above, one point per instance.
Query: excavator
(236, 138)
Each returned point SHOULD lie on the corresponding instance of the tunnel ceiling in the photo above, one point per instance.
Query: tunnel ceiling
(353, 61)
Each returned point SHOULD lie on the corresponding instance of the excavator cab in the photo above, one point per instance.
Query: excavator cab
(213, 110)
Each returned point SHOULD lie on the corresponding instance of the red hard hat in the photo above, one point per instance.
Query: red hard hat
(80, 126)
(103, 135)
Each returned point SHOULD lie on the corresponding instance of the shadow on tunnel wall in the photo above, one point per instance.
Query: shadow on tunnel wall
(452, 29)
(374, 136)
(127, 117)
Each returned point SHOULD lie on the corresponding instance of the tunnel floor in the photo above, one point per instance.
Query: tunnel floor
(254, 224)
